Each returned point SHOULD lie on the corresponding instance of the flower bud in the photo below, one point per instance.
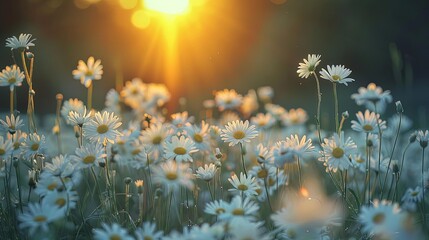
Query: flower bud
(218, 154)
(127, 180)
(399, 108)
(29, 55)
(412, 137)
(345, 114)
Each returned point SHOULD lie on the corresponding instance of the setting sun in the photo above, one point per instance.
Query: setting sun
(173, 7)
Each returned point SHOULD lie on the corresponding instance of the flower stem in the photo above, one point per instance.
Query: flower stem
(89, 100)
(319, 101)
(19, 184)
(299, 174)
(242, 159)
(211, 194)
(423, 189)
(334, 85)
(12, 93)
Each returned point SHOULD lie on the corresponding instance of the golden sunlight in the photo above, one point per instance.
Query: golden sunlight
(173, 7)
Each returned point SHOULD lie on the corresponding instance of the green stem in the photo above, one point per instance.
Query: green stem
(211, 194)
(19, 185)
(299, 174)
(334, 85)
(89, 100)
(423, 189)
(379, 142)
(242, 159)
(11, 101)
(319, 100)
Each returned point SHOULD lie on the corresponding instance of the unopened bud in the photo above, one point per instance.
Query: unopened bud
(127, 180)
(59, 97)
(345, 115)
(412, 137)
(29, 55)
(399, 108)
(218, 154)
(369, 143)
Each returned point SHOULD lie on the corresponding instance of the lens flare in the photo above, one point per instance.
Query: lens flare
(173, 7)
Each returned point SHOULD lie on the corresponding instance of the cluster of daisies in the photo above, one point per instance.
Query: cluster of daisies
(249, 169)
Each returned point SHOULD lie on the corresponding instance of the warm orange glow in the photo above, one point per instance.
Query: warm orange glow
(173, 7)
(304, 192)
(140, 19)
(128, 4)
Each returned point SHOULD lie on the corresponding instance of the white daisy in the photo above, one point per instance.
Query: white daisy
(88, 155)
(180, 149)
(157, 96)
(12, 124)
(179, 120)
(148, 232)
(294, 117)
(112, 232)
(199, 135)
(249, 104)
(238, 132)
(6, 148)
(216, 207)
(244, 229)
(112, 102)
(336, 74)
(337, 151)
(246, 185)
(34, 144)
(86, 72)
(368, 123)
(134, 92)
(301, 147)
(60, 167)
(11, 77)
(263, 121)
(276, 111)
(371, 95)
(265, 93)
(207, 173)
(154, 136)
(411, 198)
(103, 127)
(239, 207)
(38, 216)
(309, 66)
(173, 175)
(282, 153)
(263, 155)
(74, 105)
(23, 42)
(63, 200)
(228, 99)
(48, 183)
(79, 118)
(423, 138)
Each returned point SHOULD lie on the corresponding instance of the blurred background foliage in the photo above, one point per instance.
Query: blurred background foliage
(240, 44)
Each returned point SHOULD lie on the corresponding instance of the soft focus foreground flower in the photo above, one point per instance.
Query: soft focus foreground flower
(61, 166)
(228, 99)
(336, 152)
(180, 149)
(383, 218)
(249, 104)
(23, 42)
(294, 117)
(6, 148)
(173, 175)
(38, 216)
(239, 207)
(372, 95)
(238, 132)
(86, 72)
(411, 198)
(148, 232)
(367, 122)
(207, 173)
(134, 92)
(216, 207)
(309, 66)
(337, 74)
(12, 77)
(111, 232)
(79, 118)
(263, 121)
(265, 94)
(103, 127)
(12, 124)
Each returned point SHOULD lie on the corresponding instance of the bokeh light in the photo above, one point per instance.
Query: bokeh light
(128, 4)
(168, 6)
(140, 19)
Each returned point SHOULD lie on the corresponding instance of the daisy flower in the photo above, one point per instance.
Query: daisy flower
(411, 198)
(113, 231)
(38, 216)
(12, 77)
(154, 136)
(336, 152)
(282, 153)
(238, 132)
(79, 118)
(86, 72)
(263, 155)
(180, 149)
(48, 183)
(103, 127)
(371, 95)
(300, 147)
(74, 105)
(243, 229)
(217, 207)
(309, 66)
(246, 185)
(367, 122)
(179, 120)
(148, 232)
(239, 207)
(157, 95)
(88, 155)
(12, 124)
(265, 93)
(381, 218)
(23, 42)
(199, 135)
(112, 102)
(249, 104)
(60, 167)
(63, 200)
(336, 74)
(294, 117)
(263, 121)
(34, 144)
(207, 173)
(423, 138)
(6, 148)
(276, 111)
(228, 99)
(134, 92)
(173, 175)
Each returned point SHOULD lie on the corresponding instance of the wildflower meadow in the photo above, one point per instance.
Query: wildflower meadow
(246, 168)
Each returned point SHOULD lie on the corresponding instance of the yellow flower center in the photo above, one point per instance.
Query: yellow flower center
(198, 138)
(35, 147)
(367, 128)
(2, 151)
(157, 140)
(378, 218)
(258, 191)
(135, 151)
(52, 186)
(171, 176)
(16, 145)
(89, 159)
(89, 73)
(415, 193)
(263, 173)
(39, 218)
(238, 211)
(311, 68)
(180, 151)
(11, 81)
(115, 237)
(242, 187)
(102, 129)
(220, 210)
(271, 182)
(134, 91)
(337, 152)
(360, 160)
(147, 238)
(239, 134)
(336, 77)
(60, 202)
